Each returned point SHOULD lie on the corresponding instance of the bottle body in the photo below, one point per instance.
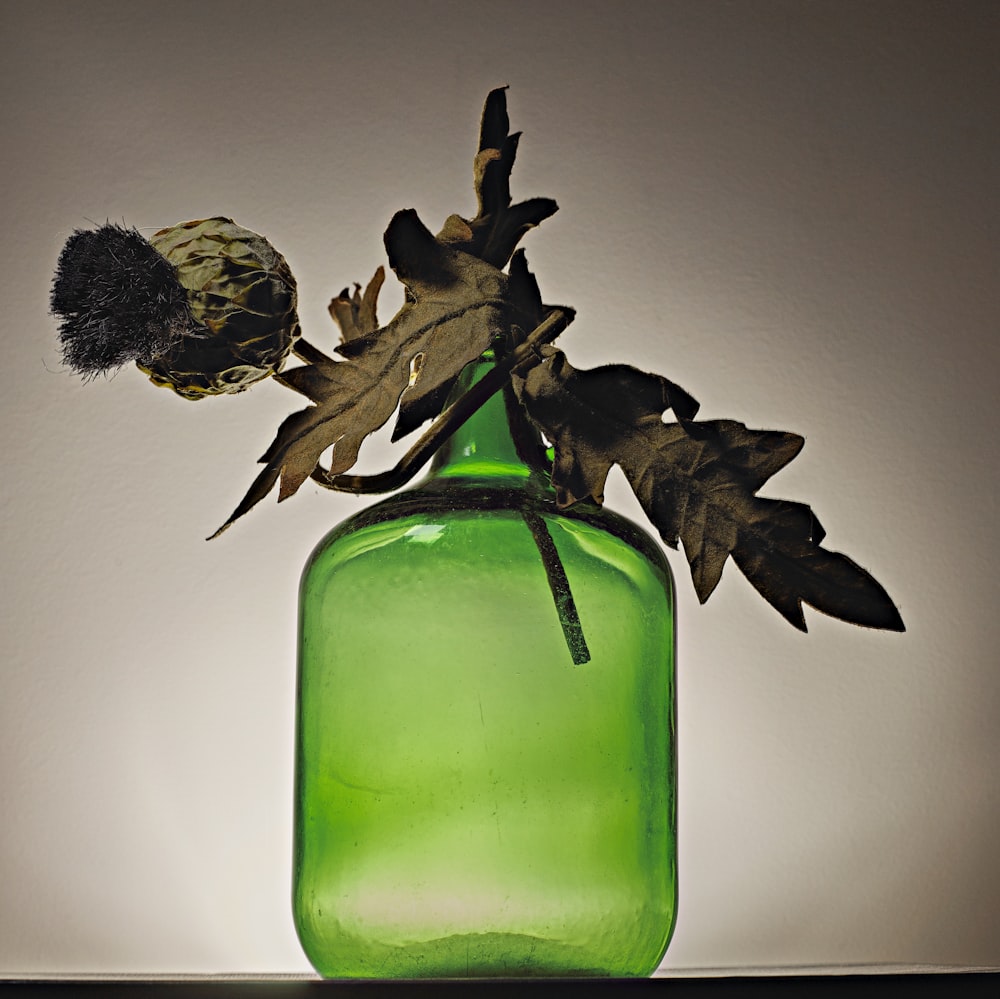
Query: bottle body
(480, 792)
(470, 801)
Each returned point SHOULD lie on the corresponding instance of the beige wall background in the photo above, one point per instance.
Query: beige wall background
(787, 206)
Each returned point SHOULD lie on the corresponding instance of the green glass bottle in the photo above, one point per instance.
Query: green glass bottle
(485, 758)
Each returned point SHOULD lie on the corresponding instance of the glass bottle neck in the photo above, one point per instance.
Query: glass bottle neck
(482, 450)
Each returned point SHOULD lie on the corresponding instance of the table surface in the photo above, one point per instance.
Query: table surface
(696, 983)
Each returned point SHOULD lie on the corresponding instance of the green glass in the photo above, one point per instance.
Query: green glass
(469, 800)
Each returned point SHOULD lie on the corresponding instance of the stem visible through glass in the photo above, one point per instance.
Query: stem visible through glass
(569, 619)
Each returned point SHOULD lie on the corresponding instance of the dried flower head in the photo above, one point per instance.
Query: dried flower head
(119, 300)
(204, 307)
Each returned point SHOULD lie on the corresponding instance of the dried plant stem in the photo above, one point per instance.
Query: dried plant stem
(307, 352)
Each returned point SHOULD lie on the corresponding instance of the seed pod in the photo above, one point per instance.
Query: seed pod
(242, 293)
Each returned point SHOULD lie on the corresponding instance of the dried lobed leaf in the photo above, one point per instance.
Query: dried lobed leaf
(696, 481)
(458, 302)
(455, 307)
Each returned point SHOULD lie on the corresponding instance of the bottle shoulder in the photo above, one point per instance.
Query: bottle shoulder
(415, 512)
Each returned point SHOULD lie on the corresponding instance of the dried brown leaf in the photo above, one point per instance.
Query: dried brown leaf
(696, 481)
(456, 304)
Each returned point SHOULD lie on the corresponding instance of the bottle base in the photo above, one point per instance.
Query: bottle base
(475, 955)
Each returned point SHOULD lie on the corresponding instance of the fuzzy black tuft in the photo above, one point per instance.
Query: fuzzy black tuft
(118, 299)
